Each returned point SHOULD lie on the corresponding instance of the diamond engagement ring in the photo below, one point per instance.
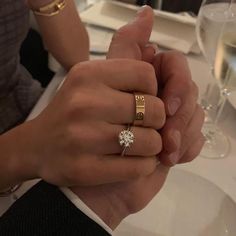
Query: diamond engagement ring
(139, 109)
(126, 138)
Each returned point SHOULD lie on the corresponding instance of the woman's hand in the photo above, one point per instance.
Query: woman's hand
(74, 141)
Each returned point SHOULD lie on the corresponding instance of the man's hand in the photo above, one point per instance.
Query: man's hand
(182, 137)
(113, 202)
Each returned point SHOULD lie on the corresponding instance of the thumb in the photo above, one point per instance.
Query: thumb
(131, 40)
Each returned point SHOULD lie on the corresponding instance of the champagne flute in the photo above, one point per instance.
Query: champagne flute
(216, 19)
(225, 60)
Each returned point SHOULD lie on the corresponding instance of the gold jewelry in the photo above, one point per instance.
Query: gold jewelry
(51, 9)
(126, 138)
(139, 109)
(9, 191)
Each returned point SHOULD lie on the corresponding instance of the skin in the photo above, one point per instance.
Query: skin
(113, 202)
(69, 127)
(176, 89)
(80, 129)
(124, 185)
(187, 120)
(55, 31)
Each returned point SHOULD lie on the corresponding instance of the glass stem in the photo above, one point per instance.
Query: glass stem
(221, 105)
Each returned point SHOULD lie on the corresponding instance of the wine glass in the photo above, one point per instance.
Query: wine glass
(216, 25)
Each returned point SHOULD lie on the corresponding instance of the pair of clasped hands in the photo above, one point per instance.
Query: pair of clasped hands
(77, 133)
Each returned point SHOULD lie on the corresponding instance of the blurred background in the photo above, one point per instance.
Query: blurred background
(33, 46)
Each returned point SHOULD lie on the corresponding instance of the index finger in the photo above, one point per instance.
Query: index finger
(126, 75)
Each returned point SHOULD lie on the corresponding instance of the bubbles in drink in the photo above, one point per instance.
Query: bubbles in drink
(225, 62)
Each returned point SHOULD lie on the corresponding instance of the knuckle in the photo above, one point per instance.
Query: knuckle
(84, 105)
(82, 72)
(77, 105)
(146, 74)
(77, 70)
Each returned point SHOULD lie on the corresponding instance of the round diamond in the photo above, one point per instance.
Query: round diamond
(126, 138)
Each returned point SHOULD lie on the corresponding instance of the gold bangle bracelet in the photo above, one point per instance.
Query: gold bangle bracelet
(51, 9)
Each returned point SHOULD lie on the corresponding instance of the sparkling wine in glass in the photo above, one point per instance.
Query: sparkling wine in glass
(216, 23)
(225, 63)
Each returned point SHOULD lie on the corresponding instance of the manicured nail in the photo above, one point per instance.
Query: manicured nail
(176, 138)
(174, 105)
(174, 157)
(154, 46)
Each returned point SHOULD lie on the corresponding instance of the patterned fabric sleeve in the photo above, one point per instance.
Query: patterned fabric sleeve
(18, 91)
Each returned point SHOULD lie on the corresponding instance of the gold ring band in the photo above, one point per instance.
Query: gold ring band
(139, 109)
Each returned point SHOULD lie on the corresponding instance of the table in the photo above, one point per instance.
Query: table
(221, 172)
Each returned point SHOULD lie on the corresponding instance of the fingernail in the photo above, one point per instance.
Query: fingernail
(176, 137)
(141, 12)
(174, 105)
(174, 157)
(154, 46)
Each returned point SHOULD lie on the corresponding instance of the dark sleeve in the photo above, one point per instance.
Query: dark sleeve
(45, 211)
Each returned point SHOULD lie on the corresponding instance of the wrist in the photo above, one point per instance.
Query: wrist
(103, 203)
(15, 157)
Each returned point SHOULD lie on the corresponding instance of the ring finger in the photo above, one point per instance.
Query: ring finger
(103, 139)
(119, 108)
